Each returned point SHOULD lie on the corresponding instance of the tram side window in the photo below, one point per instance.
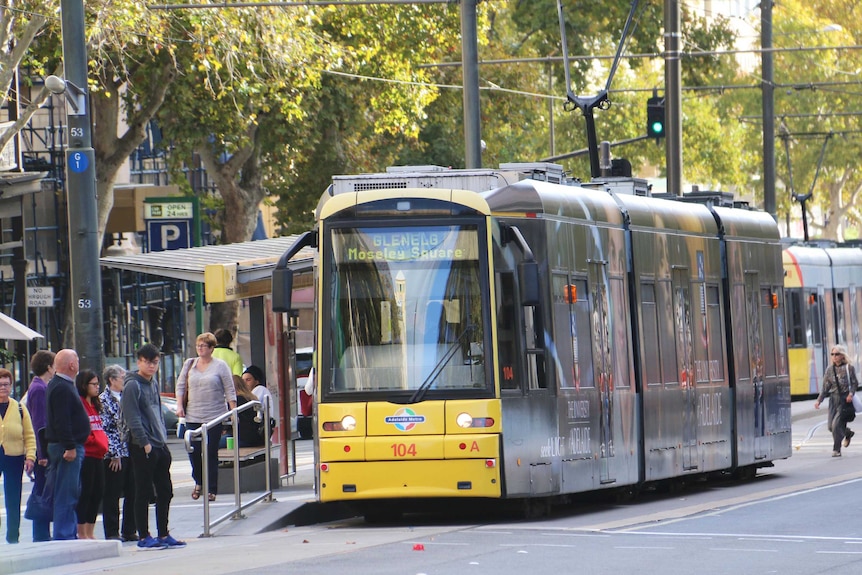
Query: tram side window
(840, 324)
(666, 326)
(795, 318)
(619, 332)
(582, 345)
(699, 325)
(649, 326)
(564, 333)
(767, 327)
(714, 334)
(506, 329)
(740, 333)
(780, 343)
(815, 335)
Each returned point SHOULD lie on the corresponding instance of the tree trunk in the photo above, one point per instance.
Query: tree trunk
(239, 183)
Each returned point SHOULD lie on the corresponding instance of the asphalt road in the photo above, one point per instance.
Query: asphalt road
(800, 517)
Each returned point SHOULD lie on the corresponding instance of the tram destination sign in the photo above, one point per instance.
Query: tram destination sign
(442, 244)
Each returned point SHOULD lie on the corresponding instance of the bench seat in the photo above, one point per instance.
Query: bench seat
(245, 453)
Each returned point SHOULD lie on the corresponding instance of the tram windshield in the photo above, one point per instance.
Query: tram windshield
(406, 310)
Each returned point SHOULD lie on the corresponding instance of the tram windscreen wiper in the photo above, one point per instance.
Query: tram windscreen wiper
(438, 369)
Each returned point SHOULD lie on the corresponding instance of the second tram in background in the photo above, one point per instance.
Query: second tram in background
(823, 287)
(512, 334)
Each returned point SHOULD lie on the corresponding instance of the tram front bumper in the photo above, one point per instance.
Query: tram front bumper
(354, 480)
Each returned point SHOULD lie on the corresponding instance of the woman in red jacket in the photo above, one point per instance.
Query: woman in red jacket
(95, 448)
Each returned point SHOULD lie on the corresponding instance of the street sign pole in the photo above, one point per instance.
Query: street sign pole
(86, 278)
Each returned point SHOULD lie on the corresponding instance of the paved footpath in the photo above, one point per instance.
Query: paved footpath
(186, 523)
(265, 537)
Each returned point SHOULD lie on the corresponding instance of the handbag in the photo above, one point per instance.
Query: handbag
(184, 372)
(40, 504)
(857, 401)
(848, 412)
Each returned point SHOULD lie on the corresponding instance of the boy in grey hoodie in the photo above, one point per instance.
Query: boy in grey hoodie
(148, 449)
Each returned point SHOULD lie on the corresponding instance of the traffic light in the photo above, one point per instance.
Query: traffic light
(655, 117)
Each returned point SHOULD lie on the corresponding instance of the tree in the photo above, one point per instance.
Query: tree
(370, 106)
(820, 120)
(516, 117)
(19, 26)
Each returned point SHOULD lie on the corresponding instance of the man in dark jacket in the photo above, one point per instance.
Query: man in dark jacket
(67, 428)
(148, 449)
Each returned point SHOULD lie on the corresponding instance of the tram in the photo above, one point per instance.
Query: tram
(511, 334)
(823, 287)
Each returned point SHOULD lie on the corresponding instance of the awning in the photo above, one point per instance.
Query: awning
(229, 272)
(11, 328)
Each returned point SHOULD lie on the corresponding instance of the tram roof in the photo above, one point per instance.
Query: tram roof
(229, 272)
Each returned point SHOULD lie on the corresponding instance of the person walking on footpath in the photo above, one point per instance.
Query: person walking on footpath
(17, 453)
(148, 449)
(92, 469)
(67, 428)
(204, 387)
(119, 477)
(42, 366)
(223, 351)
(840, 384)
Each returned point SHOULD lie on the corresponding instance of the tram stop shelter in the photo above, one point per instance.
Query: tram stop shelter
(240, 271)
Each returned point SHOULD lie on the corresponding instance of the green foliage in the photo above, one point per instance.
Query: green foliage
(7, 356)
(816, 102)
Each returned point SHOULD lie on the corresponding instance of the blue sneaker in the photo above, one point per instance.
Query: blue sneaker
(150, 542)
(172, 543)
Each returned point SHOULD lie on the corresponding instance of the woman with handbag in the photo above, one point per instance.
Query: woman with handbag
(840, 384)
(204, 386)
(17, 453)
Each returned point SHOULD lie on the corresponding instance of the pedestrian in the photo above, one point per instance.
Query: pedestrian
(17, 453)
(119, 476)
(249, 430)
(840, 384)
(42, 366)
(204, 387)
(92, 468)
(256, 382)
(223, 351)
(148, 449)
(67, 428)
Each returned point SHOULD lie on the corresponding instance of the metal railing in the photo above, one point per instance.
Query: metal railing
(202, 436)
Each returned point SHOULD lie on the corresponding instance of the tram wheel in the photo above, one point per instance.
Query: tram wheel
(536, 508)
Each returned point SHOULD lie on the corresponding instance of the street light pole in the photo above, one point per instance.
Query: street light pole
(86, 279)
(470, 75)
(768, 104)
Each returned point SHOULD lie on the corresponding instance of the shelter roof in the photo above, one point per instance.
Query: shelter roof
(229, 272)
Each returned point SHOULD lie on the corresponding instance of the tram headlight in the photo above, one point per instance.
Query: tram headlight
(347, 423)
(466, 421)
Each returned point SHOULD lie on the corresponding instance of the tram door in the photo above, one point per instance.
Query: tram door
(685, 359)
(755, 347)
(602, 364)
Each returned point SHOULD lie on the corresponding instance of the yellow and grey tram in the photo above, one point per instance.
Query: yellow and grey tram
(507, 334)
(823, 284)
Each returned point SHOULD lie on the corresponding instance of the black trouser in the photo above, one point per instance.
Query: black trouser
(839, 430)
(196, 456)
(92, 490)
(152, 472)
(119, 484)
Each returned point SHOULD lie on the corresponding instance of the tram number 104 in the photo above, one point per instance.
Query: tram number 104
(403, 449)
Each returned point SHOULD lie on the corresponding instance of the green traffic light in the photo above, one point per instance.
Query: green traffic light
(657, 127)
